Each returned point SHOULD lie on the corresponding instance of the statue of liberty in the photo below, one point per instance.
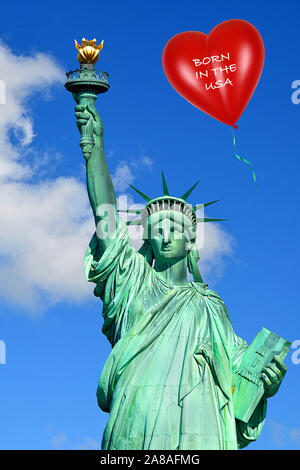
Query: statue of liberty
(168, 381)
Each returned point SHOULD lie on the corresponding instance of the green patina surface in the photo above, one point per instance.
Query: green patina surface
(168, 382)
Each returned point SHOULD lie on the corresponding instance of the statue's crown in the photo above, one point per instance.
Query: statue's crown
(168, 203)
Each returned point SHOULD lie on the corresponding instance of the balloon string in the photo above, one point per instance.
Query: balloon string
(243, 159)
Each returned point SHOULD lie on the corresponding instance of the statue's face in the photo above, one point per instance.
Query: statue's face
(167, 237)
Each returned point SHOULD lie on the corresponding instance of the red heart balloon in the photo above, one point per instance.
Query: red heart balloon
(217, 73)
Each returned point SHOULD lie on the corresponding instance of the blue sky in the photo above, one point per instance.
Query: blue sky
(49, 320)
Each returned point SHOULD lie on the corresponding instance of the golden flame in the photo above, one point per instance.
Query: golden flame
(88, 51)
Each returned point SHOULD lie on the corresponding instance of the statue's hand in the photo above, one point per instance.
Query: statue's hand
(86, 114)
(272, 376)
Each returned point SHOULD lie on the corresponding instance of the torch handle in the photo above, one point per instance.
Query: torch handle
(87, 142)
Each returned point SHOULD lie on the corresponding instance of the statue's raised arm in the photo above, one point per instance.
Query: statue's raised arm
(99, 183)
(86, 84)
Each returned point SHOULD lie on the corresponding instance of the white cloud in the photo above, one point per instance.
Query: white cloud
(59, 441)
(147, 161)
(295, 435)
(282, 435)
(46, 230)
(217, 246)
(23, 76)
(122, 176)
(45, 227)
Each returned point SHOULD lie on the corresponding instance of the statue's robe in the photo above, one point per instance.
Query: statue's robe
(167, 382)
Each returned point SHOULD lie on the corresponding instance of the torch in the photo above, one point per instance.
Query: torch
(85, 84)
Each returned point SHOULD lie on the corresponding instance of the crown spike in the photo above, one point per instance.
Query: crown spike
(207, 219)
(199, 206)
(144, 196)
(186, 195)
(165, 187)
